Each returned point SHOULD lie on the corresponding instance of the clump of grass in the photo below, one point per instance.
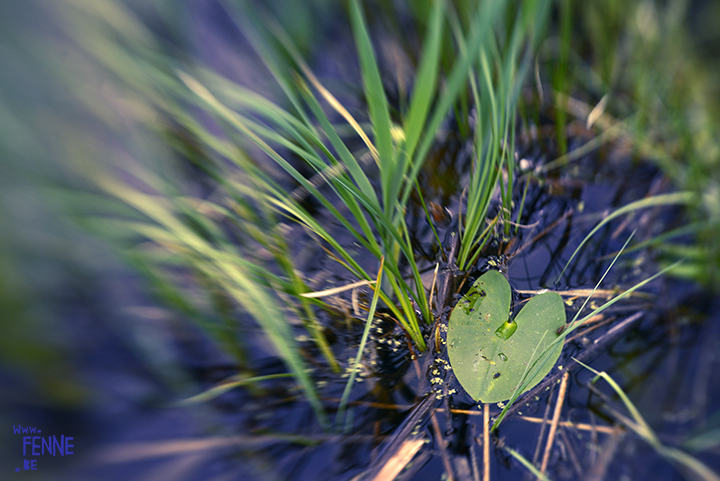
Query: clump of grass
(251, 203)
(495, 86)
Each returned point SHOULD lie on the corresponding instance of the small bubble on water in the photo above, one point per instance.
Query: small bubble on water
(502, 356)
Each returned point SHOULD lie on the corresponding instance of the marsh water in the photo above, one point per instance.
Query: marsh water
(663, 356)
(136, 359)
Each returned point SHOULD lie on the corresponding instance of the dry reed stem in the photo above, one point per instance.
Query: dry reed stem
(432, 287)
(555, 421)
(571, 453)
(443, 451)
(571, 425)
(544, 422)
(486, 442)
(336, 290)
(399, 460)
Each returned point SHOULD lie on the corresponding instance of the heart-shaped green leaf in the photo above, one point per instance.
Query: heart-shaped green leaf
(489, 352)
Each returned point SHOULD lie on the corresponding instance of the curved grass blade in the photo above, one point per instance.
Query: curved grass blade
(368, 324)
(528, 465)
(698, 469)
(687, 198)
(227, 385)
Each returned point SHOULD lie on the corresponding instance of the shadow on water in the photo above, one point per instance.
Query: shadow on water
(660, 346)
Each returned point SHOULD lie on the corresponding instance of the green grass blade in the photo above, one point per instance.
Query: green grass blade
(358, 357)
(346, 156)
(228, 270)
(227, 385)
(480, 30)
(528, 465)
(291, 49)
(422, 300)
(377, 102)
(425, 83)
(687, 198)
(696, 468)
(250, 24)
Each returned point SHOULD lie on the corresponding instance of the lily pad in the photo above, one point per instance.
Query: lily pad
(488, 351)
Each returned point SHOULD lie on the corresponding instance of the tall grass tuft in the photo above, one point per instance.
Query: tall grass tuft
(504, 60)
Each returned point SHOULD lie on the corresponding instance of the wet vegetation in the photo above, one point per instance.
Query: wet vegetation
(404, 239)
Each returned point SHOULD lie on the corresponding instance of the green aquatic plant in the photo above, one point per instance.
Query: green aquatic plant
(491, 353)
(495, 86)
(235, 242)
